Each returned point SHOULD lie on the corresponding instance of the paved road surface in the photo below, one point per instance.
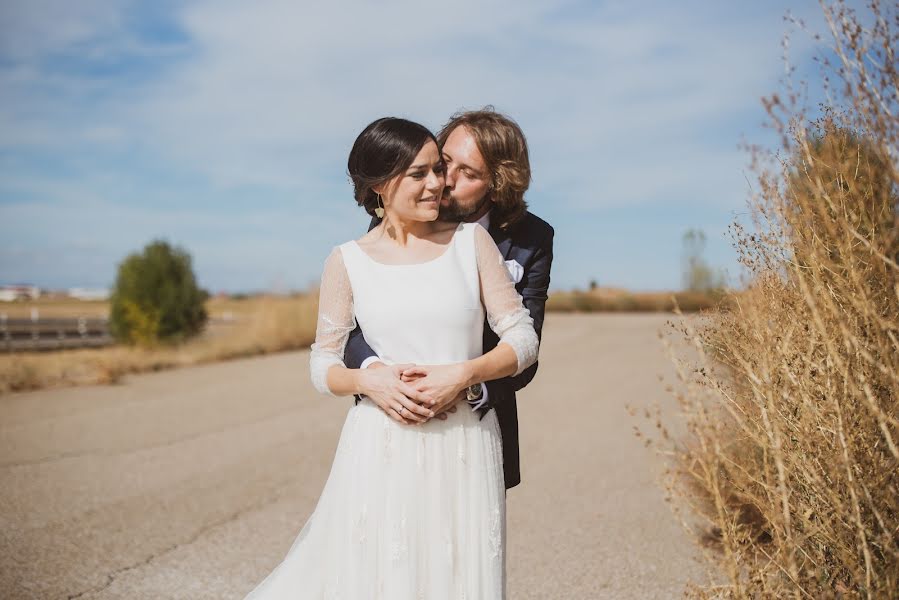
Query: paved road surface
(193, 483)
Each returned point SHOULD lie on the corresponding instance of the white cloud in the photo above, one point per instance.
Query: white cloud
(623, 104)
(274, 92)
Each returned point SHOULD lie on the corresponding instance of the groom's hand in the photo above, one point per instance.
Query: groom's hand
(450, 407)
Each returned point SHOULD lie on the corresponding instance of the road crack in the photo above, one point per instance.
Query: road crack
(111, 577)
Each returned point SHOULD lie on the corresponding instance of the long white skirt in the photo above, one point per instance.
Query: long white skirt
(408, 512)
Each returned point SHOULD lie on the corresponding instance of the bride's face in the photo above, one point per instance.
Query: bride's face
(415, 194)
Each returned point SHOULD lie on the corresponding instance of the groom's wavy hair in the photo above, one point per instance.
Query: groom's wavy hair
(384, 149)
(505, 151)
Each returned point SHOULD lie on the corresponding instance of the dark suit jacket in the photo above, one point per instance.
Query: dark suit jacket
(531, 245)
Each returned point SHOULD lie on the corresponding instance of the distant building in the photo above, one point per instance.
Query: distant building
(89, 293)
(10, 293)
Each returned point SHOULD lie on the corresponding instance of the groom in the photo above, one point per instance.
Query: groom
(488, 172)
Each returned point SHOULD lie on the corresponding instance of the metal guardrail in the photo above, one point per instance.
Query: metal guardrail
(53, 334)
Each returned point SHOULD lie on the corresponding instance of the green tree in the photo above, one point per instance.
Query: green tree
(156, 297)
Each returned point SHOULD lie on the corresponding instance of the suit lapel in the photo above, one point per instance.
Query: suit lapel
(502, 239)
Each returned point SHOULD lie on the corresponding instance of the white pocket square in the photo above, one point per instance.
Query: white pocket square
(515, 270)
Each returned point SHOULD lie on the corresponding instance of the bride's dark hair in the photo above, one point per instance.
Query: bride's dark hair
(382, 151)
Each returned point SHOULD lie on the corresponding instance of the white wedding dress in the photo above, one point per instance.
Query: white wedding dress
(410, 511)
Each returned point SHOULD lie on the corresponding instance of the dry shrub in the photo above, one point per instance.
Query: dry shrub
(792, 400)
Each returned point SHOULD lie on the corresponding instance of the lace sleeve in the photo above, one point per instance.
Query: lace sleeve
(506, 313)
(335, 321)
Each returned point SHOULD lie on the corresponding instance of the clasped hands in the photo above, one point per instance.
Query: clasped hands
(426, 391)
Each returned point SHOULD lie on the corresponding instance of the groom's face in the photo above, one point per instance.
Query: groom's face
(467, 178)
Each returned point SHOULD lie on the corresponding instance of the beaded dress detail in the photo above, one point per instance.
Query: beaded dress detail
(410, 511)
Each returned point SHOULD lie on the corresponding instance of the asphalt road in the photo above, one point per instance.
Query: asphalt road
(193, 483)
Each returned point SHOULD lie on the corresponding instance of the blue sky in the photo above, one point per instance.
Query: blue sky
(224, 127)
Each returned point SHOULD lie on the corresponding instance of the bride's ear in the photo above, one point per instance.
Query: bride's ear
(386, 188)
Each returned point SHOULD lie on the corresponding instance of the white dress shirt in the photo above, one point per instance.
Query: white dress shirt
(476, 404)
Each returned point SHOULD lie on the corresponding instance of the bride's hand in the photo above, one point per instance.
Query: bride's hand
(441, 382)
(440, 410)
(386, 389)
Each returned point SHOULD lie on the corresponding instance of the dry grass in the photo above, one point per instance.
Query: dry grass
(618, 300)
(53, 308)
(49, 307)
(790, 462)
(261, 325)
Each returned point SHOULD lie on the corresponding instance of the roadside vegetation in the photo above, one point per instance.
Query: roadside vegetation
(240, 328)
(789, 467)
(621, 300)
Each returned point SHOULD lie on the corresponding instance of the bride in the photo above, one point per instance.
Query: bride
(414, 506)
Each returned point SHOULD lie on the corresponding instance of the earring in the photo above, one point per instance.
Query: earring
(380, 209)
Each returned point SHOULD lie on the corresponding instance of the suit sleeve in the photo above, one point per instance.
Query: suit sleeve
(534, 295)
(357, 349)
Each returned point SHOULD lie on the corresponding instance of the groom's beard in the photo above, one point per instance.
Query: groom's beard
(453, 211)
